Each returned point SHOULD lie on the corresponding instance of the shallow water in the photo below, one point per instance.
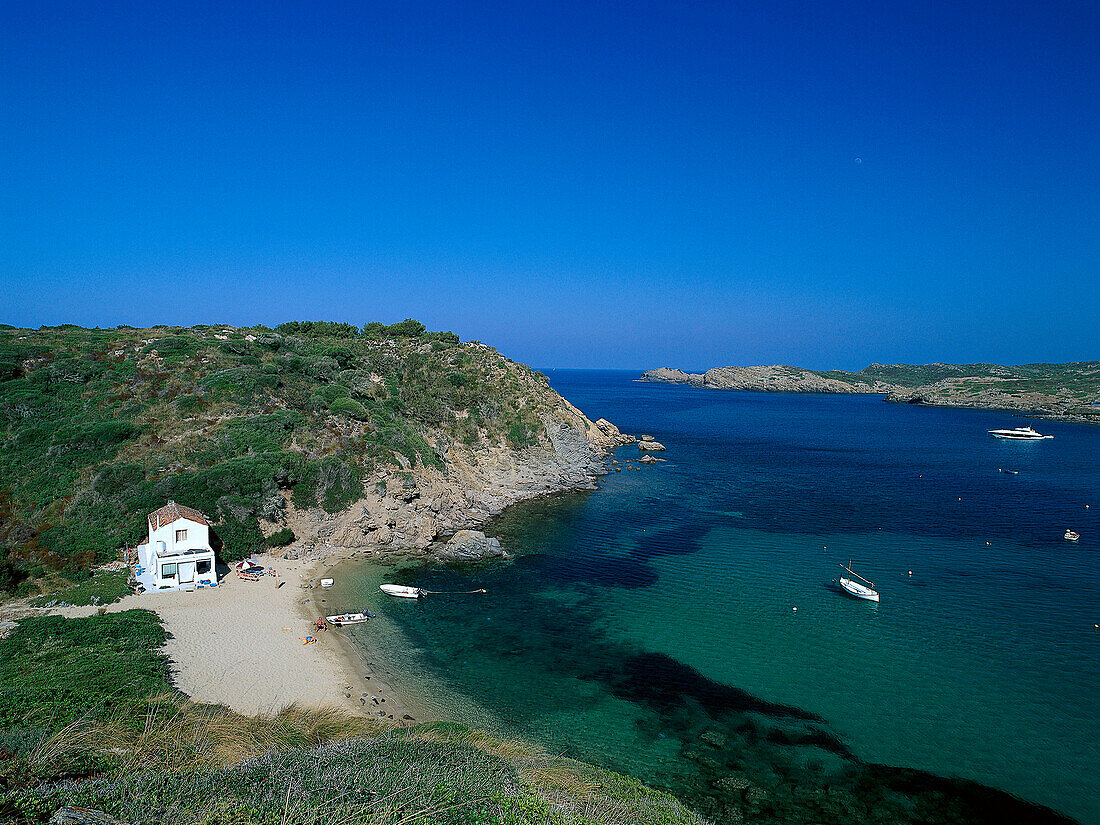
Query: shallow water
(650, 625)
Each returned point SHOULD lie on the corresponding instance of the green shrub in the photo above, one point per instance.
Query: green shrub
(189, 404)
(319, 329)
(331, 483)
(281, 538)
(349, 407)
(174, 347)
(243, 384)
(10, 575)
(102, 588)
(236, 540)
(55, 670)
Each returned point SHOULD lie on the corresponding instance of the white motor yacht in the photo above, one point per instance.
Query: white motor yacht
(1019, 434)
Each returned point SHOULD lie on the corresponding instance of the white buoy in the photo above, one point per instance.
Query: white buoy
(794, 608)
(910, 572)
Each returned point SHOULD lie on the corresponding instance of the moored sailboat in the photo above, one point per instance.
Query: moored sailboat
(853, 588)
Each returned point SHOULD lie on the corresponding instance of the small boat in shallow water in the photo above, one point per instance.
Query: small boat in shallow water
(401, 591)
(853, 588)
(1069, 535)
(350, 618)
(405, 592)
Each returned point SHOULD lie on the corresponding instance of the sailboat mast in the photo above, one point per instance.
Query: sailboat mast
(849, 569)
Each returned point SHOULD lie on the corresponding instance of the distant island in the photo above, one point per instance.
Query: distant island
(1063, 391)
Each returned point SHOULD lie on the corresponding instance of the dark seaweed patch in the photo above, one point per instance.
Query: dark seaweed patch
(662, 683)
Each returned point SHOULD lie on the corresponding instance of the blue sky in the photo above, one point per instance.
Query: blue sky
(577, 184)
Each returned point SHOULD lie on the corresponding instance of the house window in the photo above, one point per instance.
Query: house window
(181, 535)
(168, 571)
(202, 566)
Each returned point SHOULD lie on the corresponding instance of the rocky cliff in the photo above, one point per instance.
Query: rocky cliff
(409, 511)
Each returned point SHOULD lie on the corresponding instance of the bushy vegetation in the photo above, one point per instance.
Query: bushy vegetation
(88, 719)
(103, 588)
(280, 538)
(54, 671)
(1080, 379)
(100, 427)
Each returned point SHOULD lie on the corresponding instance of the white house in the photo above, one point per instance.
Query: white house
(177, 555)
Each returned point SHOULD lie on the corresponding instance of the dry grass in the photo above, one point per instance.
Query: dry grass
(178, 734)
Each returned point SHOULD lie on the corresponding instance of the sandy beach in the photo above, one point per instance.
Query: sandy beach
(241, 645)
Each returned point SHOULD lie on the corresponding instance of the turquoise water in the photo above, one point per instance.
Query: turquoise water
(651, 626)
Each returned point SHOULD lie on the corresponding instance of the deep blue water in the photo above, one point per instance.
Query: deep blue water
(651, 626)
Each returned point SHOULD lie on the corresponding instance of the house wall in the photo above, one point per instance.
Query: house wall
(163, 544)
(198, 536)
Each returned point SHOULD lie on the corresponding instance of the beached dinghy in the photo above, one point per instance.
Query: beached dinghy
(350, 618)
(854, 588)
(401, 591)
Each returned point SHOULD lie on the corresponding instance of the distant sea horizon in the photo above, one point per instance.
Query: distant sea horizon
(629, 609)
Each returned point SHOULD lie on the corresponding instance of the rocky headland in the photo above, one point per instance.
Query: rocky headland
(1062, 391)
(311, 439)
(426, 511)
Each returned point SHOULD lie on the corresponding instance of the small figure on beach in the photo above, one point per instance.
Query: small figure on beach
(321, 625)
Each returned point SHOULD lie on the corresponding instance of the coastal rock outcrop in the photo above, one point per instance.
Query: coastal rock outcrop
(409, 509)
(1068, 392)
(777, 378)
(471, 545)
(651, 446)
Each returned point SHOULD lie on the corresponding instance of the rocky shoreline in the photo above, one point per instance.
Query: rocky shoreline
(1062, 392)
(428, 513)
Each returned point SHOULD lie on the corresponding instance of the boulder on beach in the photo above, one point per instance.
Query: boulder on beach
(471, 545)
(650, 446)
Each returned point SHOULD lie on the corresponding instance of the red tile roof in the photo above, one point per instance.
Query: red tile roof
(172, 511)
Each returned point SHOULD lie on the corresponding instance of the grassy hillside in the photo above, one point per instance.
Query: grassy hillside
(99, 427)
(88, 718)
